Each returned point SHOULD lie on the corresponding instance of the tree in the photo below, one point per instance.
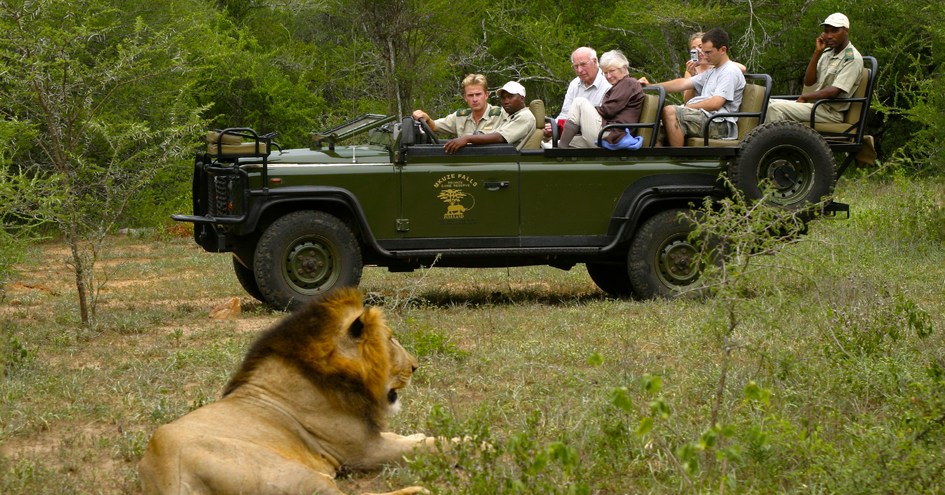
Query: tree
(107, 99)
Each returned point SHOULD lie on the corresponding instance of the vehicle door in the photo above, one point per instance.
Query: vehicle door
(470, 194)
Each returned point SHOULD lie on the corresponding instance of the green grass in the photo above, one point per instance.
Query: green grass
(835, 369)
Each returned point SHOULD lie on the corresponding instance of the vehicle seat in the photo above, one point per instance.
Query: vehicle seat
(533, 141)
(230, 143)
(750, 113)
(649, 123)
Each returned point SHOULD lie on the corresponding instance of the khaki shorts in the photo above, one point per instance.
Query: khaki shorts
(692, 120)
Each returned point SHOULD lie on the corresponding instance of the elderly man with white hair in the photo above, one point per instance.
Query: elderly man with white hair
(622, 103)
(590, 83)
(833, 72)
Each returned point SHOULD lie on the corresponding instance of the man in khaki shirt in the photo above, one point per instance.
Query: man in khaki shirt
(479, 118)
(517, 124)
(833, 72)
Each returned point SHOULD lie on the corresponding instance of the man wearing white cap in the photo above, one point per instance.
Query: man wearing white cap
(516, 125)
(833, 72)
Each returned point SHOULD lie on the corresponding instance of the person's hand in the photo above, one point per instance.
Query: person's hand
(819, 44)
(420, 115)
(692, 68)
(801, 99)
(454, 145)
(644, 81)
(547, 130)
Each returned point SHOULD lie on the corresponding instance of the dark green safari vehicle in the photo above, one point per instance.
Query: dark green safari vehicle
(302, 221)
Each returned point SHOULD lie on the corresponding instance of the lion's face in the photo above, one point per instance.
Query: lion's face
(345, 349)
(370, 343)
(402, 366)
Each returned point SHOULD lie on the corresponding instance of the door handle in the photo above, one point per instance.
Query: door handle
(496, 185)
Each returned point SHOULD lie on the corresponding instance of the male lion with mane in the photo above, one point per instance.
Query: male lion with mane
(312, 395)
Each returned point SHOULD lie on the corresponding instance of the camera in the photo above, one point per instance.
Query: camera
(694, 55)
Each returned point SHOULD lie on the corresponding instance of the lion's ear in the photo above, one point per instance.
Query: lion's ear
(356, 329)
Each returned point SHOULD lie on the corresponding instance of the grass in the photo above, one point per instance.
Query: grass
(835, 368)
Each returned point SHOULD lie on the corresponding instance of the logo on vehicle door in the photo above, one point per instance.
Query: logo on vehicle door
(453, 190)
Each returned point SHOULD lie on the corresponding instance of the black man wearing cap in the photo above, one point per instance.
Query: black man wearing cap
(833, 72)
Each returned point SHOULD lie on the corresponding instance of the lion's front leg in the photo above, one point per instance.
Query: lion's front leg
(391, 448)
(410, 490)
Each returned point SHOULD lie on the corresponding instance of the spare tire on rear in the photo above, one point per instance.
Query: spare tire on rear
(790, 158)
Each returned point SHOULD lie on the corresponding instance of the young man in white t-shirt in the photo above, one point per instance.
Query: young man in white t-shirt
(719, 89)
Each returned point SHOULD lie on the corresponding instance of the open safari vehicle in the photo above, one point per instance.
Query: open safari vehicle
(299, 222)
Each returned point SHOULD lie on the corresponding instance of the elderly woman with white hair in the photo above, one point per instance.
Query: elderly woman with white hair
(622, 103)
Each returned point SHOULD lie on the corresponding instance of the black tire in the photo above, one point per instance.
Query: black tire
(662, 260)
(304, 254)
(611, 278)
(247, 279)
(793, 158)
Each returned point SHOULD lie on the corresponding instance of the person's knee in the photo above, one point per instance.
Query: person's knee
(669, 112)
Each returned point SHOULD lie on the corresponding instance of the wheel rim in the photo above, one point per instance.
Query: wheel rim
(677, 266)
(310, 265)
(790, 172)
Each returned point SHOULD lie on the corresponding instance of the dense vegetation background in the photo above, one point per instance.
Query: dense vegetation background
(102, 102)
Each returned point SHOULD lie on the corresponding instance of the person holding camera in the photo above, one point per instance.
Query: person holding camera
(698, 63)
(719, 89)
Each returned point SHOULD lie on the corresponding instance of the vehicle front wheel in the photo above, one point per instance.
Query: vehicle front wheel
(247, 279)
(611, 278)
(663, 261)
(303, 254)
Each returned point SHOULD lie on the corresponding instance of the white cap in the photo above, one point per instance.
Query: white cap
(837, 20)
(512, 87)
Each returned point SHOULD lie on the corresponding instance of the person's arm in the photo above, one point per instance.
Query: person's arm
(421, 115)
(454, 145)
(810, 75)
(710, 104)
(824, 94)
(615, 100)
(677, 85)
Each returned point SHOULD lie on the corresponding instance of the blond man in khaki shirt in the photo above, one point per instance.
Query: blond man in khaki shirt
(479, 118)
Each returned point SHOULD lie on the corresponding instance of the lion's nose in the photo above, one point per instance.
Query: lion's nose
(413, 368)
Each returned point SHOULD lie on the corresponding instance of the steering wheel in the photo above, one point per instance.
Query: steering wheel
(428, 131)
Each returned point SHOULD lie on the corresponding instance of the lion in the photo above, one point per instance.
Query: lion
(311, 396)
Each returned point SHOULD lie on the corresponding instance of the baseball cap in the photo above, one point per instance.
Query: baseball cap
(512, 87)
(837, 20)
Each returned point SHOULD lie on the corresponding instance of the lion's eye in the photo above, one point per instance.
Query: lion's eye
(356, 329)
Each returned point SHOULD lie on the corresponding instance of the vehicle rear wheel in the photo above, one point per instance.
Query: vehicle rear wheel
(662, 260)
(611, 278)
(247, 279)
(794, 159)
(303, 254)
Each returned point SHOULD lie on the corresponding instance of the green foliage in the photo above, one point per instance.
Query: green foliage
(920, 206)
(13, 353)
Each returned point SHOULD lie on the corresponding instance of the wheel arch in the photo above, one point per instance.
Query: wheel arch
(653, 194)
(338, 202)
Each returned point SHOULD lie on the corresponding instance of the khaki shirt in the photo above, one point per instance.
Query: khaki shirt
(460, 123)
(517, 128)
(841, 70)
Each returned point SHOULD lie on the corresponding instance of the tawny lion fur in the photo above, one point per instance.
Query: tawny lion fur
(312, 394)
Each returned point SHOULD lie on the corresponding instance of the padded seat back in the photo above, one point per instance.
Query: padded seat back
(533, 141)
(231, 144)
(648, 115)
(750, 113)
(753, 98)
